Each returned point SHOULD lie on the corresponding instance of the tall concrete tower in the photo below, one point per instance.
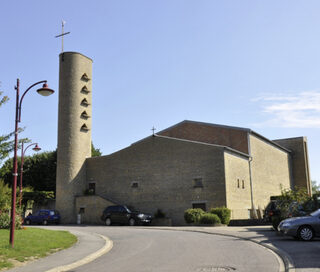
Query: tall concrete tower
(74, 131)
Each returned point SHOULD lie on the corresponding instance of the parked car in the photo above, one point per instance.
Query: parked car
(44, 217)
(304, 228)
(271, 210)
(121, 214)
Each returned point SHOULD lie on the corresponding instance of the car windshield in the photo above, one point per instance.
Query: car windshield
(316, 213)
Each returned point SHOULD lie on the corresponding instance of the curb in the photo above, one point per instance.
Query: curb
(285, 261)
(106, 248)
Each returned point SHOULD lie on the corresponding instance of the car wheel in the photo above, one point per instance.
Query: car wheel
(132, 222)
(28, 222)
(108, 222)
(45, 222)
(305, 233)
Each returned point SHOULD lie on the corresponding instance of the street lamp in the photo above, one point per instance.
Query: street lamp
(45, 91)
(36, 148)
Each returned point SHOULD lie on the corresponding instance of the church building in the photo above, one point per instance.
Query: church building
(189, 165)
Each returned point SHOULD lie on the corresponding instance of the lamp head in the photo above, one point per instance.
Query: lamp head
(36, 148)
(45, 90)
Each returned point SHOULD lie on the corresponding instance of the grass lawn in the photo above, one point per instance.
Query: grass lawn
(32, 243)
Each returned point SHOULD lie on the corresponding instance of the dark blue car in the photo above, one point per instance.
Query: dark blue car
(44, 217)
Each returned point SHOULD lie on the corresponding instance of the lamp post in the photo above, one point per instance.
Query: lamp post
(45, 91)
(23, 151)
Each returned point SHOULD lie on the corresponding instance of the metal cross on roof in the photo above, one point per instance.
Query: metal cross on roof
(153, 129)
(62, 34)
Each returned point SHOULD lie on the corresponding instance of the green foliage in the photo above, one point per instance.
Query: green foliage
(315, 187)
(3, 99)
(39, 171)
(288, 204)
(5, 196)
(32, 243)
(223, 213)
(193, 215)
(5, 220)
(95, 152)
(209, 218)
(159, 214)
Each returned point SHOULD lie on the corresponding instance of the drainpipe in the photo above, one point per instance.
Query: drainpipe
(254, 212)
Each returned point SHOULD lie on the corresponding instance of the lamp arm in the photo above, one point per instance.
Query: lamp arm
(24, 151)
(20, 102)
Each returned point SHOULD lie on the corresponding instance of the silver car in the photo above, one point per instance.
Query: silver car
(304, 228)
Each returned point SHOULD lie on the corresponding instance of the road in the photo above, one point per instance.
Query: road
(144, 250)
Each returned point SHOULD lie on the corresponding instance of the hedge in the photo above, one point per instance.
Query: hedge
(223, 213)
(209, 218)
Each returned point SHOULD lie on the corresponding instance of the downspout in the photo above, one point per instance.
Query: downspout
(254, 212)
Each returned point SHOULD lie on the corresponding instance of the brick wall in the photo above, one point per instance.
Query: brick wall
(164, 170)
(270, 170)
(237, 185)
(300, 161)
(209, 133)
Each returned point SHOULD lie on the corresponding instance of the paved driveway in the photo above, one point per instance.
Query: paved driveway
(150, 249)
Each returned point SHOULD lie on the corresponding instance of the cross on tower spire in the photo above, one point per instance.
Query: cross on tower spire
(62, 34)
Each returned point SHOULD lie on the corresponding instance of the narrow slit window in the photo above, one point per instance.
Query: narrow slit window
(238, 182)
(242, 184)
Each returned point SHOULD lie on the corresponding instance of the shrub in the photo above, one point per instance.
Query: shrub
(5, 221)
(209, 218)
(193, 215)
(159, 214)
(223, 213)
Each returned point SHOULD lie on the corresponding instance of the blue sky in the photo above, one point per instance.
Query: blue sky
(251, 64)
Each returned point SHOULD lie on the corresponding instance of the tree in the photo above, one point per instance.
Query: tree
(315, 187)
(6, 146)
(95, 152)
(39, 171)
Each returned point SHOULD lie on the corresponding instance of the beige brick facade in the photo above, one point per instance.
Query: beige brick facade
(238, 187)
(74, 140)
(190, 164)
(270, 168)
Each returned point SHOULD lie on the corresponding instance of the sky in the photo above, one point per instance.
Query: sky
(252, 64)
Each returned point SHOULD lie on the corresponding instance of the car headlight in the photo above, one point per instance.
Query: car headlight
(140, 215)
(286, 224)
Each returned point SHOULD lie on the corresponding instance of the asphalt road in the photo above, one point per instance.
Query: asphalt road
(144, 250)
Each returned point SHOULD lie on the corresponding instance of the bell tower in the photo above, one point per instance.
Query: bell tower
(74, 131)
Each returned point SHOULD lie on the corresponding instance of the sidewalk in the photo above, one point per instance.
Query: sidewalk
(89, 247)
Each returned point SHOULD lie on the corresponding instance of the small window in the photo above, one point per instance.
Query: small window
(85, 102)
(242, 184)
(197, 183)
(92, 188)
(85, 77)
(199, 206)
(134, 184)
(84, 128)
(81, 211)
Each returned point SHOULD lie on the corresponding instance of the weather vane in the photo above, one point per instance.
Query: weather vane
(62, 34)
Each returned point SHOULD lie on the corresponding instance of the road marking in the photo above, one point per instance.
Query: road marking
(106, 248)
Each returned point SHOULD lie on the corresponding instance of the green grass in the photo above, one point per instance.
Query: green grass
(32, 243)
